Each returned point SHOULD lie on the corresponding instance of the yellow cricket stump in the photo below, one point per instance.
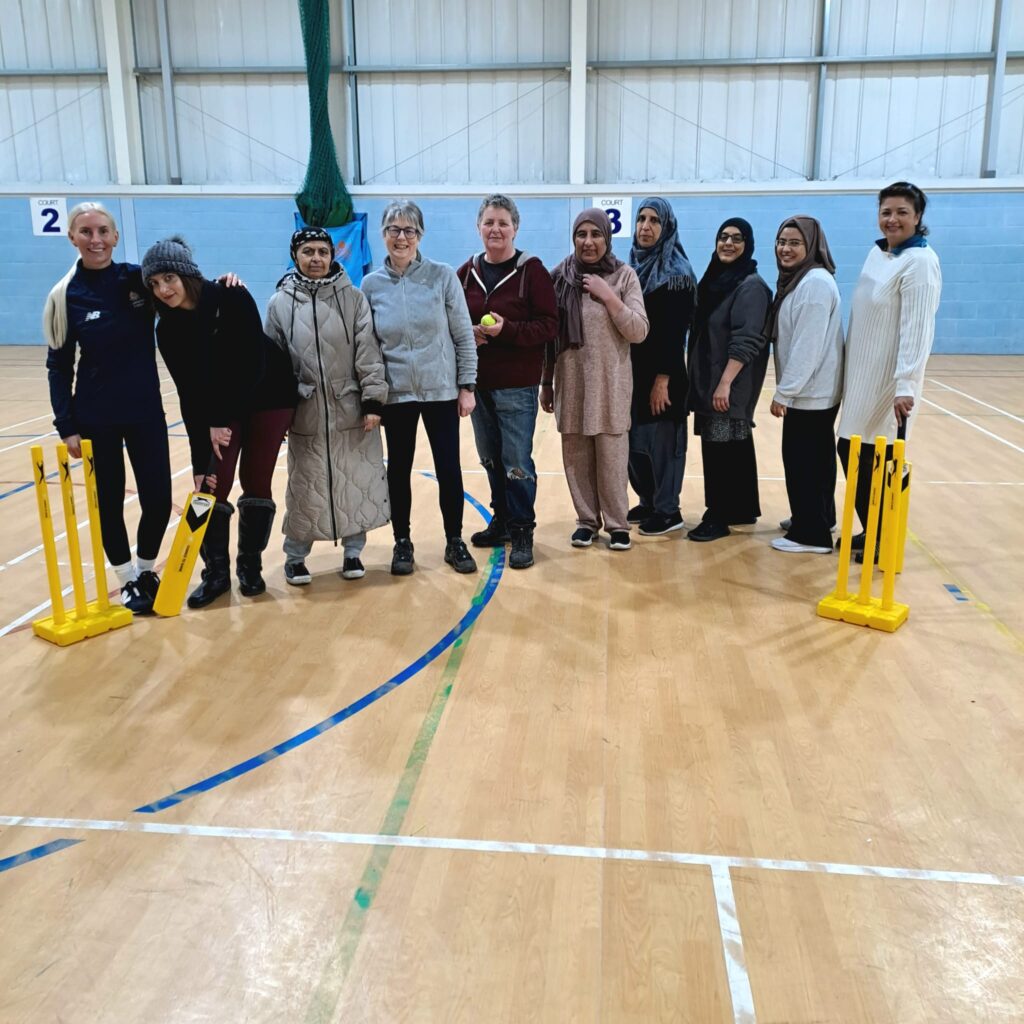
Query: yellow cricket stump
(890, 495)
(88, 618)
(831, 607)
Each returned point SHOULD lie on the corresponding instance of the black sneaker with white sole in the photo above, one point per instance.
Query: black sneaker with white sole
(297, 574)
(618, 540)
(582, 538)
(352, 569)
(136, 599)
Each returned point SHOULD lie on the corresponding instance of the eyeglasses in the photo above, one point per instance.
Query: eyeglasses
(789, 243)
(735, 239)
(393, 232)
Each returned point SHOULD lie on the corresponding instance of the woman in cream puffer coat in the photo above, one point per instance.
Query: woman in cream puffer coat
(337, 485)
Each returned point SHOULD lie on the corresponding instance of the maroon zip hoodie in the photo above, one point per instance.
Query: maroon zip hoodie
(526, 300)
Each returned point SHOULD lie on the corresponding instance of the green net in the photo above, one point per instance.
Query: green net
(324, 201)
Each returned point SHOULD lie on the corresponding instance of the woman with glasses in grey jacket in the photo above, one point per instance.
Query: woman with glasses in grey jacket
(426, 337)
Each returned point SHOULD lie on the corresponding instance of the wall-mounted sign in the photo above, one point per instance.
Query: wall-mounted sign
(49, 216)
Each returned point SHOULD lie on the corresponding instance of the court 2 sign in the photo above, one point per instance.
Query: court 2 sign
(49, 216)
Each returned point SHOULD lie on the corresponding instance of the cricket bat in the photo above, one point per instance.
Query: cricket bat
(188, 539)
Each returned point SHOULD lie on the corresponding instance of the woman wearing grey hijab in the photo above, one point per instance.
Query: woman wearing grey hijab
(657, 434)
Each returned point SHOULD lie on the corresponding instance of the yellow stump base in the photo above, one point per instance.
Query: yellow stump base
(832, 607)
(95, 622)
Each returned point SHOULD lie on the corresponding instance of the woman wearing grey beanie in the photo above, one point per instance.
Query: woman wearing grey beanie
(238, 395)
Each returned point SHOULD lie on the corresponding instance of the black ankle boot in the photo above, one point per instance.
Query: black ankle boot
(217, 573)
(492, 536)
(521, 556)
(255, 518)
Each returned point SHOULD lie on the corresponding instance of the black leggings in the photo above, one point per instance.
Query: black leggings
(441, 422)
(151, 463)
(867, 457)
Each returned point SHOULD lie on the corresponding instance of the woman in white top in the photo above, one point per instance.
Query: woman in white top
(805, 323)
(892, 325)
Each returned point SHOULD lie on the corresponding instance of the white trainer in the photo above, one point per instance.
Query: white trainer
(781, 544)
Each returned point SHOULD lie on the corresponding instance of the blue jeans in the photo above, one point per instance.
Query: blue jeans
(503, 423)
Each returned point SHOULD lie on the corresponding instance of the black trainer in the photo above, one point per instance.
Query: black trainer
(135, 599)
(638, 513)
(352, 569)
(402, 561)
(457, 555)
(618, 540)
(582, 538)
(708, 530)
(521, 555)
(297, 574)
(495, 534)
(659, 524)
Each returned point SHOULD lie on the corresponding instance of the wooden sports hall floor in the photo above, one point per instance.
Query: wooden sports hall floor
(644, 786)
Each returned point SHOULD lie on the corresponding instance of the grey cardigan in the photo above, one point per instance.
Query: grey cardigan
(425, 332)
(735, 330)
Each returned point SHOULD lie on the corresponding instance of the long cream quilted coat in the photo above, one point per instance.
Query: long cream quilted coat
(337, 485)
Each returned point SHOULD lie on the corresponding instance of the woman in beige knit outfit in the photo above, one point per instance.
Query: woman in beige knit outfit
(588, 377)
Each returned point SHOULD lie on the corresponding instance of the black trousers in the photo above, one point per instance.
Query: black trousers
(441, 422)
(148, 453)
(730, 481)
(809, 460)
(863, 496)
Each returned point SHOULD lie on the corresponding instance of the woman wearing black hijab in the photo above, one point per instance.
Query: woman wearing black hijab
(728, 357)
(657, 434)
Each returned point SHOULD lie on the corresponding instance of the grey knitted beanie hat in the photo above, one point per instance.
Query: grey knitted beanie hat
(170, 256)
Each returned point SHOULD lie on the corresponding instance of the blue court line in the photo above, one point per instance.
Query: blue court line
(956, 592)
(244, 767)
(36, 852)
(50, 476)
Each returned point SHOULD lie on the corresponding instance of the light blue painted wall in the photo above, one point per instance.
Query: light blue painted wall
(976, 234)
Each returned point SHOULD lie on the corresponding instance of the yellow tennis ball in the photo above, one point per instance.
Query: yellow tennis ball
(487, 320)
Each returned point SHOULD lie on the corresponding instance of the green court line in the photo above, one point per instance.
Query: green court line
(325, 999)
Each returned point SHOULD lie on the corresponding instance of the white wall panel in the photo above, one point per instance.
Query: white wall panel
(41, 34)
(904, 120)
(53, 129)
(461, 31)
(455, 128)
(751, 124)
(669, 29)
(885, 27)
(237, 129)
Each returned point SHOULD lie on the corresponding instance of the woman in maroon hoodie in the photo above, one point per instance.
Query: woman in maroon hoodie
(512, 304)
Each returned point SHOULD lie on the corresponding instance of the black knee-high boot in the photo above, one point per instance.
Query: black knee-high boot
(255, 518)
(217, 574)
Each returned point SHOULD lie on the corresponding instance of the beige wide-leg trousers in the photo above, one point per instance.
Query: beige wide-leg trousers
(596, 468)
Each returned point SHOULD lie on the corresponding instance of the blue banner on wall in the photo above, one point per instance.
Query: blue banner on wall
(351, 246)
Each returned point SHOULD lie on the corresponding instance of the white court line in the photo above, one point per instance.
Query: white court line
(781, 479)
(732, 948)
(956, 391)
(708, 860)
(995, 437)
(31, 440)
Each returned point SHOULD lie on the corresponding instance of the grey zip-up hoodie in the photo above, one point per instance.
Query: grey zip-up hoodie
(425, 333)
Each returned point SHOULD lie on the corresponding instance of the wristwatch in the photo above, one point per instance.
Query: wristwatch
(468, 387)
